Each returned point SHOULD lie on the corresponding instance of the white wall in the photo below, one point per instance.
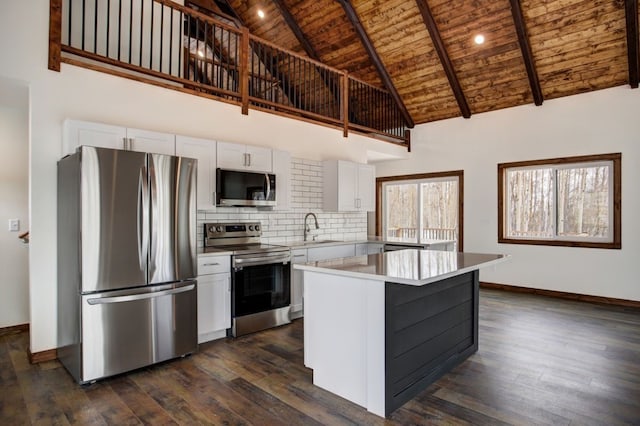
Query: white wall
(599, 122)
(87, 95)
(14, 191)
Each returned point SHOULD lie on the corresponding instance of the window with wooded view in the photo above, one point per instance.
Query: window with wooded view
(571, 201)
(420, 208)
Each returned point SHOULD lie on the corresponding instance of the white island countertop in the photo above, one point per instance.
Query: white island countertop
(411, 266)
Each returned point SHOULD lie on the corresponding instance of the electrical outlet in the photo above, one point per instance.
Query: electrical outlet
(14, 225)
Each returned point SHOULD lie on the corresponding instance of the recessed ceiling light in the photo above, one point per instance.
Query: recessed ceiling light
(479, 39)
(261, 13)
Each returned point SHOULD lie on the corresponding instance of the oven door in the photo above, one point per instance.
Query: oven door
(261, 297)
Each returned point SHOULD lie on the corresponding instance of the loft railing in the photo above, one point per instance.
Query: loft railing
(426, 234)
(164, 43)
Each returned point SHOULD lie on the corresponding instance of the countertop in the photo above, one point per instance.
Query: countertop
(325, 243)
(411, 266)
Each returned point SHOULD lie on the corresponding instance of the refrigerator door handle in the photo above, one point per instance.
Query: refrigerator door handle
(153, 217)
(143, 218)
(140, 296)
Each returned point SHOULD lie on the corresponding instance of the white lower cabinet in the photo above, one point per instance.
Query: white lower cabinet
(312, 254)
(297, 284)
(315, 254)
(214, 297)
(363, 249)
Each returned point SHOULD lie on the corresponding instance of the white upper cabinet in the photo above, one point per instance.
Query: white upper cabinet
(77, 133)
(348, 186)
(204, 151)
(282, 170)
(244, 157)
(154, 142)
(366, 191)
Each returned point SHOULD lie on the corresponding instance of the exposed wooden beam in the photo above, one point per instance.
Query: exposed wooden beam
(228, 10)
(293, 25)
(523, 39)
(633, 40)
(430, 23)
(377, 62)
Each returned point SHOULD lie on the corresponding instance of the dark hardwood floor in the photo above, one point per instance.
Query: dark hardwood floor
(541, 361)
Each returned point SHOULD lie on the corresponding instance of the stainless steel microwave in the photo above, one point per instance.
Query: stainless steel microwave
(240, 188)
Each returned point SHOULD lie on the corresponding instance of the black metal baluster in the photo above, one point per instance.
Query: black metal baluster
(288, 92)
(225, 62)
(214, 40)
(321, 98)
(83, 34)
(130, 28)
(204, 57)
(274, 87)
(314, 95)
(119, 29)
(141, 25)
(161, 35)
(95, 26)
(151, 38)
(197, 55)
(70, 21)
(171, 13)
(228, 59)
(108, 22)
(182, 48)
(300, 83)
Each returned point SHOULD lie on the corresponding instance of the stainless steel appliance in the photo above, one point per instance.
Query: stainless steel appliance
(240, 188)
(260, 278)
(126, 260)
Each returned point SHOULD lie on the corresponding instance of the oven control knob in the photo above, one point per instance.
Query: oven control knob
(257, 227)
(211, 229)
(250, 227)
(219, 228)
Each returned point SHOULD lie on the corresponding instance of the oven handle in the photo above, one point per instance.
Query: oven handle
(255, 261)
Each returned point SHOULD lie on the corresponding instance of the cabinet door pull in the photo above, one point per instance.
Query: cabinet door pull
(298, 255)
(249, 158)
(210, 264)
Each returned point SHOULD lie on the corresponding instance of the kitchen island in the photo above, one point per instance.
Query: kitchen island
(379, 329)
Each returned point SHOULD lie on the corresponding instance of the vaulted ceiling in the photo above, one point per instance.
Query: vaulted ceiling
(534, 50)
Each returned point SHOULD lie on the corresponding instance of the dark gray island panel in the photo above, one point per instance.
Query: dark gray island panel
(429, 330)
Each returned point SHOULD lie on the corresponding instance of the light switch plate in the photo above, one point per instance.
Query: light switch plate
(14, 225)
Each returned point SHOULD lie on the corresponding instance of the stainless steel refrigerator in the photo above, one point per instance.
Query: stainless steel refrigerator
(126, 260)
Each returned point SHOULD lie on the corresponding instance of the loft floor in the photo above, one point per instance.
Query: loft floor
(541, 361)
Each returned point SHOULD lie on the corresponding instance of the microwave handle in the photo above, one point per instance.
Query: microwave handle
(268, 182)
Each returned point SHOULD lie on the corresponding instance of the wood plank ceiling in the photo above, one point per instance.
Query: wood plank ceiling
(427, 47)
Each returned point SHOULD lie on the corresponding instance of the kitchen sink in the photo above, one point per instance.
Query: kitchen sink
(323, 241)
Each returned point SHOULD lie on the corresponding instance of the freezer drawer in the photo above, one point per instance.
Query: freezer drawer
(128, 329)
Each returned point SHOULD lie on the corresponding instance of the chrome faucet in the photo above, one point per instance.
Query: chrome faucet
(307, 230)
